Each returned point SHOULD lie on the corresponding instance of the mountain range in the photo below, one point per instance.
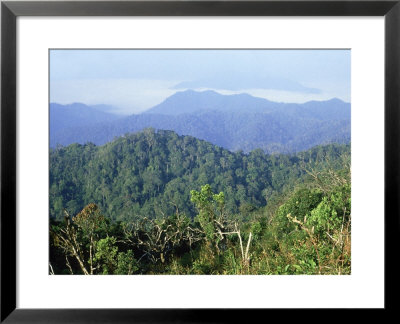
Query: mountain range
(78, 115)
(235, 122)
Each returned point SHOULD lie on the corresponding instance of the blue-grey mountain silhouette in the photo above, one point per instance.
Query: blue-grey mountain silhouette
(235, 122)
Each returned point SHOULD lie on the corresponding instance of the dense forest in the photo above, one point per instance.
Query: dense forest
(155, 202)
(146, 173)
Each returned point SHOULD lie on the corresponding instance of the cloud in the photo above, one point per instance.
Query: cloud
(232, 82)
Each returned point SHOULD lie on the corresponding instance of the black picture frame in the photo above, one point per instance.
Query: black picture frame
(10, 10)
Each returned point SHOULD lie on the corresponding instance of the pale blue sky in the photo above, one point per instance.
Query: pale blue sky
(135, 80)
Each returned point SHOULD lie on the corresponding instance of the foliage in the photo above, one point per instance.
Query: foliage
(151, 173)
(190, 226)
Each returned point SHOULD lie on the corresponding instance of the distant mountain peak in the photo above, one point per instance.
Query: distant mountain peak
(336, 100)
(332, 100)
(76, 114)
(192, 101)
(191, 92)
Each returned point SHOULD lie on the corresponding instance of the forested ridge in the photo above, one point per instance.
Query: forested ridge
(149, 172)
(156, 202)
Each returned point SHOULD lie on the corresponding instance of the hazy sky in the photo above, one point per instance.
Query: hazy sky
(135, 80)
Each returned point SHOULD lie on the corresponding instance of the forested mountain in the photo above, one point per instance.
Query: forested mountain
(234, 122)
(160, 203)
(152, 172)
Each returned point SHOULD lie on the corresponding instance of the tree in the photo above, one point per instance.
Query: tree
(111, 260)
(79, 236)
(214, 222)
(157, 239)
